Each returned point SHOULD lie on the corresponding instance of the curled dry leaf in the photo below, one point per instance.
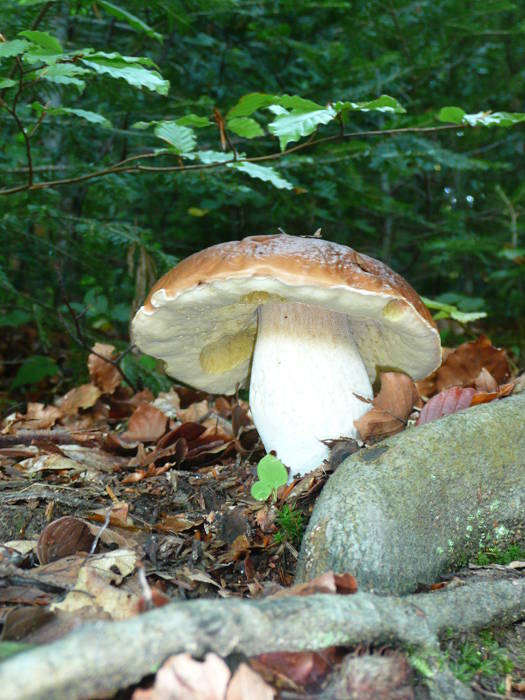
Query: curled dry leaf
(302, 668)
(329, 582)
(38, 417)
(84, 396)
(62, 538)
(391, 407)
(463, 366)
(147, 424)
(485, 381)
(103, 374)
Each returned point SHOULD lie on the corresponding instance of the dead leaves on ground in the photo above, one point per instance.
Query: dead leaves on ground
(474, 373)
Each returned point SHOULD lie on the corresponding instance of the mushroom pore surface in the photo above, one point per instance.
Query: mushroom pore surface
(306, 372)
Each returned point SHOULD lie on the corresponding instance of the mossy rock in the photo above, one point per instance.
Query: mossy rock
(423, 502)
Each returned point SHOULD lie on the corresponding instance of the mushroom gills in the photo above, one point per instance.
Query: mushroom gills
(307, 375)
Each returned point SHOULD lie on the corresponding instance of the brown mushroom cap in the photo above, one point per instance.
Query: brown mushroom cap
(201, 316)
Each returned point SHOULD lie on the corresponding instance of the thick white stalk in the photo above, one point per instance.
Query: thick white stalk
(306, 371)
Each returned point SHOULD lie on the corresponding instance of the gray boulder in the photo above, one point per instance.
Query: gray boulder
(422, 502)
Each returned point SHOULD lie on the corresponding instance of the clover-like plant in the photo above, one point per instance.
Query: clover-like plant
(272, 474)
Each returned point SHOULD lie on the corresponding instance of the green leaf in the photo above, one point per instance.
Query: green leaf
(451, 311)
(6, 82)
(260, 172)
(261, 491)
(193, 120)
(64, 74)
(15, 318)
(13, 48)
(8, 648)
(92, 117)
(180, 138)
(128, 68)
(130, 19)
(385, 103)
(272, 471)
(43, 40)
(248, 104)
(451, 114)
(209, 157)
(456, 115)
(245, 127)
(33, 370)
(296, 124)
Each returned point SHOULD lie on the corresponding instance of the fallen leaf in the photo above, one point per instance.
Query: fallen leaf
(446, 402)
(248, 685)
(391, 408)
(183, 678)
(83, 396)
(103, 374)
(62, 538)
(464, 364)
(485, 381)
(39, 417)
(329, 582)
(147, 424)
(303, 668)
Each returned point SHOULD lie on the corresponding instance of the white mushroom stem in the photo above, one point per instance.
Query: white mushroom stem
(306, 373)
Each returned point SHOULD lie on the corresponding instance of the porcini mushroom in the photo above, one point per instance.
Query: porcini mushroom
(314, 321)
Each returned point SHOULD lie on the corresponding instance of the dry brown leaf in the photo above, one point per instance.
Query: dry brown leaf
(195, 413)
(329, 582)
(485, 381)
(64, 537)
(103, 374)
(464, 364)
(183, 678)
(303, 668)
(39, 417)
(147, 424)
(248, 685)
(83, 396)
(391, 407)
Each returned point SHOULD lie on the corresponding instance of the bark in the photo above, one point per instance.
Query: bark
(422, 502)
(98, 659)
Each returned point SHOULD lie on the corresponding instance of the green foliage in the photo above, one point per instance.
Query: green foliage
(480, 656)
(219, 90)
(494, 555)
(291, 526)
(33, 370)
(272, 474)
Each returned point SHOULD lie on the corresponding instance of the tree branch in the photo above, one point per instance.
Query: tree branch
(123, 167)
(85, 663)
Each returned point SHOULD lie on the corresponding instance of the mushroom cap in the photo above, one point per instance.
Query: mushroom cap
(201, 317)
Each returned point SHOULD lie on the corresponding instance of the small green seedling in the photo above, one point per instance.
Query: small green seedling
(272, 474)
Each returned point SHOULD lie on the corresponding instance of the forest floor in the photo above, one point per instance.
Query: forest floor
(114, 502)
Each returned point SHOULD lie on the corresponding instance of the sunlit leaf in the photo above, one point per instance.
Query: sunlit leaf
(209, 157)
(265, 173)
(13, 48)
(385, 103)
(245, 127)
(179, 137)
(456, 115)
(6, 82)
(131, 69)
(193, 120)
(132, 20)
(43, 39)
(296, 124)
(248, 104)
(64, 74)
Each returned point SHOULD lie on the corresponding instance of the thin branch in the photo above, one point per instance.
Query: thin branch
(122, 167)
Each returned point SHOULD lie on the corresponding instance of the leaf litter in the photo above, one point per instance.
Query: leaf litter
(116, 502)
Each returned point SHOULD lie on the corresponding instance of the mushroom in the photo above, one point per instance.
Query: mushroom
(312, 320)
